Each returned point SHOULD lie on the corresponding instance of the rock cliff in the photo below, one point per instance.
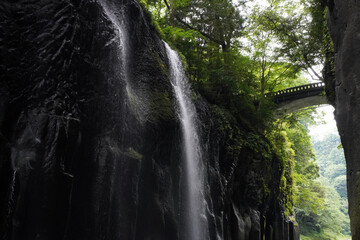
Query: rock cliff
(344, 24)
(90, 144)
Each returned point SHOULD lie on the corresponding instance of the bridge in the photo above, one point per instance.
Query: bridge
(296, 98)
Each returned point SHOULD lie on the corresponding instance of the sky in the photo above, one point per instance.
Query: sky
(329, 127)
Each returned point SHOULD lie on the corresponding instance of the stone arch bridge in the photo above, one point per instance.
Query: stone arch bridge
(296, 98)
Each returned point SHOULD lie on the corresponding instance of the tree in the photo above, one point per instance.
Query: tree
(319, 207)
(219, 21)
(299, 26)
(340, 186)
(269, 66)
(281, 41)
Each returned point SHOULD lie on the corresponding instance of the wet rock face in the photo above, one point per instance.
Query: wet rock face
(90, 146)
(344, 19)
(72, 143)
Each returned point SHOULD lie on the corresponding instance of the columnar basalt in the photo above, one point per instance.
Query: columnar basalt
(90, 144)
(344, 23)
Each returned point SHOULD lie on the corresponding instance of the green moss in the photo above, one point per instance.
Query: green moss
(228, 127)
(195, 96)
(161, 107)
(266, 188)
(274, 150)
(160, 63)
(287, 188)
(159, 102)
(133, 154)
(154, 23)
(158, 29)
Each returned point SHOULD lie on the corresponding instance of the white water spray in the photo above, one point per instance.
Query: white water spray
(121, 39)
(195, 219)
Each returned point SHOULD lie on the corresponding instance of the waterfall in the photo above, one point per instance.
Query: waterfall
(121, 39)
(136, 100)
(193, 208)
(195, 220)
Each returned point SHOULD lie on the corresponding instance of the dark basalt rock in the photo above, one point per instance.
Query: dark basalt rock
(344, 19)
(79, 159)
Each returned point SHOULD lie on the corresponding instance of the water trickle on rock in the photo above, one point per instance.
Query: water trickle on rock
(121, 39)
(195, 204)
(135, 100)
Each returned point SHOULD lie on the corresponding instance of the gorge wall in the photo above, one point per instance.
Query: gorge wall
(91, 142)
(344, 24)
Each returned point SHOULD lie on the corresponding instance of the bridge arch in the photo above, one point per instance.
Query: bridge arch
(295, 98)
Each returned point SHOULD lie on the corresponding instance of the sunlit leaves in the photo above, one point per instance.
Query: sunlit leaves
(273, 68)
(296, 29)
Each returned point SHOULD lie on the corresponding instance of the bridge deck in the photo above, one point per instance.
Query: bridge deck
(298, 92)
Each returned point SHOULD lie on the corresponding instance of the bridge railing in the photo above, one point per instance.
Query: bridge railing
(296, 90)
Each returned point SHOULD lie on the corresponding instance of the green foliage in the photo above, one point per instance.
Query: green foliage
(271, 70)
(215, 63)
(281, 42)
(309, 196)
(333, 170)
(334, 222)
(227, 123)
(218, 21)
(320, 205)
(282, 146)
(299, 28)
(340, 185)
(320, 211)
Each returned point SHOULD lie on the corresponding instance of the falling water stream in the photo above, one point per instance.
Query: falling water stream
(121, 39)
(193, 208)
(195, 204)
(122, 42)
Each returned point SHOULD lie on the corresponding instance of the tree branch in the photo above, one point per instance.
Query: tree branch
(194, 28)
(293, 40)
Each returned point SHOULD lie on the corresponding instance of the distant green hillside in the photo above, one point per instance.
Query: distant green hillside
(334, 217)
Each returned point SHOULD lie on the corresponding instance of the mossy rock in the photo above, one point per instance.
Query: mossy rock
(133, 154)
(161, 107)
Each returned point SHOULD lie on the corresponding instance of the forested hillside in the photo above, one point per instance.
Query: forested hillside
(331, 160)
